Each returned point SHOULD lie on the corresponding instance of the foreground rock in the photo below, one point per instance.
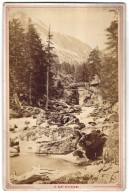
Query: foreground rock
(61, 141)
(57, 147)
(93, 173)
(14, 146)
(98, 174)
(93, 144)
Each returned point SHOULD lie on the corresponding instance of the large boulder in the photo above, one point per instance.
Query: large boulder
(93, 144)
(14, 142)
(14, 147)
(64, 146)
(61, 140)
(13, 150)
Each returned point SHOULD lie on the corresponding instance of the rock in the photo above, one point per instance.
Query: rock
(106, 119)
(94, 170)
(62, 140)
(11, 129)
(115, 168)
(54, 139)
(59, 108)
(26, 128)
(29, 111)
(27, 122)
(70, 110)
(36, 111)
(114, 178)
(81, 126)
(14, 154)
(92, 123)
(108, 155)
(28, 108)
(30, 179)
(111, 150)
(87, 97)
(73, 178)
(93, 144)
(79, 153)
(17, 147)
(64, 146)
(65, 119)
(115, 107)
(61, 119)
(58, 105)
(104, 128)
(14, 142)
(34, 116)
(73, 109)
(105, 177)
(13, 150)
(114, 117)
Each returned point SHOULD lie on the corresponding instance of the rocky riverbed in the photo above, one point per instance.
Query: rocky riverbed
(85, 135)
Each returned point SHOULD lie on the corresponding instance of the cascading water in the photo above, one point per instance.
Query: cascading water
(84, 115)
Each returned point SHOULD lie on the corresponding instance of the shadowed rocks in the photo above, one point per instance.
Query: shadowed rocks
(93, 144)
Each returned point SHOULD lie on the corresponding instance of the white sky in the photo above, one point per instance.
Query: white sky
(88, 25)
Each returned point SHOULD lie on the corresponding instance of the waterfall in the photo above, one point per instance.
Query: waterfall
(81, 92)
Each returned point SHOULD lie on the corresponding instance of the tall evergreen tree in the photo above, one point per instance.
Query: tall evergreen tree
(109, 73)
(93, 64)
(87, 71)
(16, 57)
(35, 65)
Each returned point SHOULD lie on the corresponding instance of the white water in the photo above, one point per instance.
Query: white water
(84, 115)
(20, 122)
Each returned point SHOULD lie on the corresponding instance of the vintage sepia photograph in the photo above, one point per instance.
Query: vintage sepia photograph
(64, 96)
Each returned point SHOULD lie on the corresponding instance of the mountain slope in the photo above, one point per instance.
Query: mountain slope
(67, 48)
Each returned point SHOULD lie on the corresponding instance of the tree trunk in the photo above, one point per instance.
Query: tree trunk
(47, 88)
(30, 96)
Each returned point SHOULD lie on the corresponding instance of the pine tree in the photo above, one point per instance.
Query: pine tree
(109, 72)
(93, 64)
(112, 37)
(16, 58)
(35, 65)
